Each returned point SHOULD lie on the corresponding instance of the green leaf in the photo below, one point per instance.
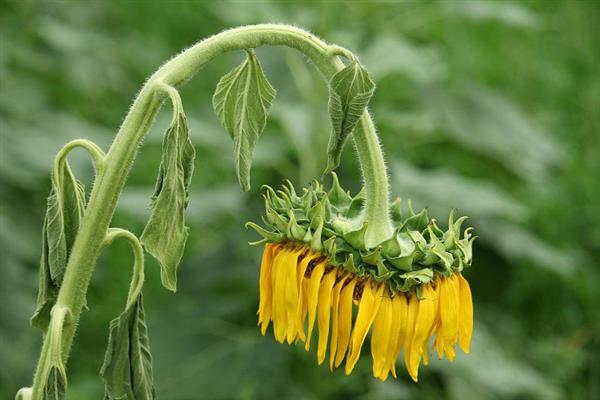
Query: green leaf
(53, 374)
(56, 384)
(350, 90)
(66, 204)
(127, 368)
(241, 101)
(165, 234)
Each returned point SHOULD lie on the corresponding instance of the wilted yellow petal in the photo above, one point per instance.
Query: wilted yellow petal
(264, 304)
(367, 310)
(399, 307)
(291, 295)
(345, 320)
(435, 289)
(323, 312)
(380, 338)
(335, 303)
(466, 314)
(423, 324)
(449, 311)
(411, 317)
(313, 297)
(302, 303)
(278, 283)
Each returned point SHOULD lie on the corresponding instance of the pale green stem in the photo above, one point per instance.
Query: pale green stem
(92, 148)
(111, 178)
(137, 279)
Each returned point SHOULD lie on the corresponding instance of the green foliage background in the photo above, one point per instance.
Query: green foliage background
(492, 107)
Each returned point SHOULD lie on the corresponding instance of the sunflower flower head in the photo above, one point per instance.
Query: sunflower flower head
(318, 279)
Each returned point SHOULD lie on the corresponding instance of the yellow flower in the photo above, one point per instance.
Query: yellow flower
(299, 286)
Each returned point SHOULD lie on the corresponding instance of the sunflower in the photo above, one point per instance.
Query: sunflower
(409, 292)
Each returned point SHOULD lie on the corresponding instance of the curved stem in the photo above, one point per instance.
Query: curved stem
(113, 172)
(92, 148)
(137, 279)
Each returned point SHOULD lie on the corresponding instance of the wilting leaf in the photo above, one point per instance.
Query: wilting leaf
(165, 234)
(64, 211)
(127, 368)
(241, 101)
(56, 384)
(349, 93)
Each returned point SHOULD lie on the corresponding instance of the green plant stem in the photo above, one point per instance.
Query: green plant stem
(137, 279)
(110, 180)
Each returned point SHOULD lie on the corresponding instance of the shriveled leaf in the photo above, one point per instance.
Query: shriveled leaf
(165, 234)
(47, 290)
(56, 384)
(241, 101)
(127, 368)
(53, 375)
(350, 91)
(65, 209)
(66, 204)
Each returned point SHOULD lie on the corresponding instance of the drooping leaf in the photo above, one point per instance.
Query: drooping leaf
(53, 374)
(127, 368)
(165, 234)
(65, 210)
(241, 101)
(350, 91)
(56, 384)
(66, 204)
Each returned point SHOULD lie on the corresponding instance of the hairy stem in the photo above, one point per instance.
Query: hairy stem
(137, 278)
(111, 178)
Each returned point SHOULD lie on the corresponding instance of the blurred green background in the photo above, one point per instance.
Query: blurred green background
(491, 107)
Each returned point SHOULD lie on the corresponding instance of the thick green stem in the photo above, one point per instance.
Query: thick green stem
(111, 178)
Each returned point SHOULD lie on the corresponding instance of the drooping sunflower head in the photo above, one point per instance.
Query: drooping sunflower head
(317, 272)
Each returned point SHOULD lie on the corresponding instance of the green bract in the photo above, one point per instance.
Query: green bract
(332, 223)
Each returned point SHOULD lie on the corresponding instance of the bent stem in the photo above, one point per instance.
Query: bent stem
(112, 173)
(137, 279)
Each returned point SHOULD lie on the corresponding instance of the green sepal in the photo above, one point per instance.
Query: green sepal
(417, 251)
(415, 278)
(295, 231)
(338, 197)
(356, 238)
(270, 236)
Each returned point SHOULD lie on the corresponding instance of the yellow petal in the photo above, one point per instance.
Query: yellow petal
(291, 295)
(313, 297)
(423, 324)
(278, 303)
(301, 309)
(335, 303)
(367, 310)
(345, 320)
(380, 338)
(436, 301)
(323, 312)
(399, 307)
(449, 311)
(411, 317)
(466, 314)
(264, 304)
